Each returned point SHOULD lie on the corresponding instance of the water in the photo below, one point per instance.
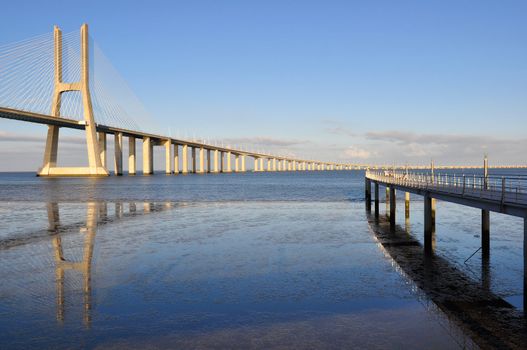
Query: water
(267, 260)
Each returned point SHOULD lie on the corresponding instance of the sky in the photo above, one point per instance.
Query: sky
(376, 82)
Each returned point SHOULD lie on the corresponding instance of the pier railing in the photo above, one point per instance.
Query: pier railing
(506, 189)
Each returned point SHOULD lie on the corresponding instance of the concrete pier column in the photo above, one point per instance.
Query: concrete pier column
(168, 156)
(184, 159)
(176, 159)
(147, 156)
(256, 165)
(392, 208)
(376, 200)
(102, 148)
(262, 164)
(118, 153)
(243, 162)
(229, 166)
(429, 226)
(194, 161)
(279, 165)
(367, 193)
(131, 156)
(222, 155)
(237, 163)
(407, 205)
(216, 163)
(274, 164)
(269, 166)
(201, 169)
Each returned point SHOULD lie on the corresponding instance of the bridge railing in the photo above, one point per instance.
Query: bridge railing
(507, 189)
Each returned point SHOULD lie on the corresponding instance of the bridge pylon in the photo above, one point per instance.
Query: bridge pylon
(95, 166)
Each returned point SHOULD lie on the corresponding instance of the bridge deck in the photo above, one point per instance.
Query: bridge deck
(503, 195)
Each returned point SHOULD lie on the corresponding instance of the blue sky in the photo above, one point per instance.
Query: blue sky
(361, 81)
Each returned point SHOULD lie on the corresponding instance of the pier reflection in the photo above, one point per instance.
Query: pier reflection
(486, 317)
(96, 215)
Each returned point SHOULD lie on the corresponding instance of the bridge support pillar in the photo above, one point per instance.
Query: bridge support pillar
(131, 156)
(262, 168)
(193, 154)
(176, 159)
(407, 205)
(485, 233)
(184, 159)
(222, 155)
(229, 163)
(216, 154)
(168, 156)
(367, 193)
(237, 163)
(49, 166)
(392, 208)
(376, 200)
(147, 156)
(118, 153)
(201, 169)
(255, 164)
(243, 163)
(429, 225)
(209, 168)
(102, 148)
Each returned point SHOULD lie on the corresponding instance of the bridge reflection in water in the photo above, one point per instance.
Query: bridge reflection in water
(96, 214)
(489, 320)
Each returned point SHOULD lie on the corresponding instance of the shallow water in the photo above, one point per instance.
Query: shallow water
(267, 260)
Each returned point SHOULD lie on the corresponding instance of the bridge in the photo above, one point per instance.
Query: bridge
(33, 77)
(500, 194)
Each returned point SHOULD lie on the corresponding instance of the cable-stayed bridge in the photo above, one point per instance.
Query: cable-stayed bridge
(63, 82)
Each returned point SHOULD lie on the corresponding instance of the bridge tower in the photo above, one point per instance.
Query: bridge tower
(95, 166)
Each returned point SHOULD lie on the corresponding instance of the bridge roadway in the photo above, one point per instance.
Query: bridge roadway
(284, 163)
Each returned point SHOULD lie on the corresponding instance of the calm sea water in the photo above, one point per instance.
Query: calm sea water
(266, 260)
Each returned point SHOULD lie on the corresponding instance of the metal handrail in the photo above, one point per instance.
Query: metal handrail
(504, 189)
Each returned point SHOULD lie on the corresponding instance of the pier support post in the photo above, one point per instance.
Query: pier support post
(118, 153)
(237, 163)
(407, 205)
(131, 156)
(392, 208)
(147, 156)
(176, 159)
(243, 163)
(255, 164)
(485, 233)
(387, 202)
(376, 200)
(184, 159)
(222, 155)
(429, 226)
(367, 193)
(525, 265)
(102, 148)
